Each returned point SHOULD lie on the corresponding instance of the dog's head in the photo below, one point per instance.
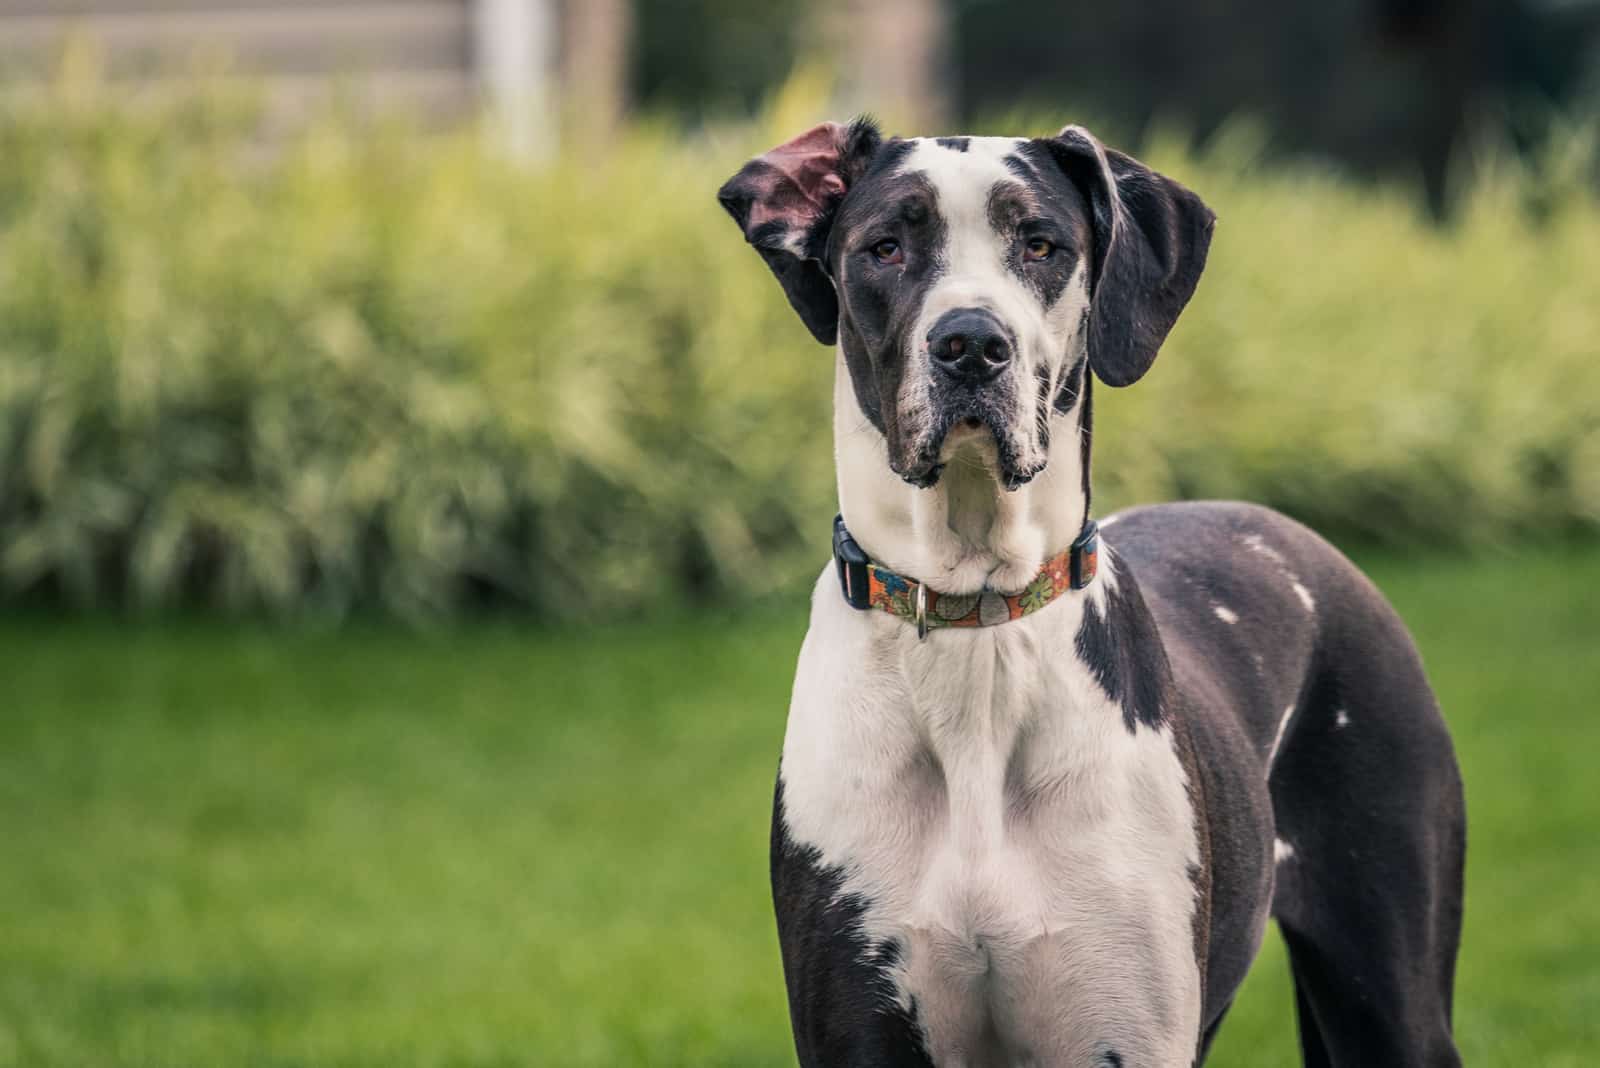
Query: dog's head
(967, 279)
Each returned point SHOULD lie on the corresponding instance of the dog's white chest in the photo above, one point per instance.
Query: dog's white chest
(1029, 854)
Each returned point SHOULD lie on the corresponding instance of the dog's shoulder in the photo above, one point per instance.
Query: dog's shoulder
(1201, 563)
(1247, 602)
(1216, 529)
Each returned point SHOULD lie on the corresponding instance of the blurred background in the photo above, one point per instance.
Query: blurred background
(410, 484)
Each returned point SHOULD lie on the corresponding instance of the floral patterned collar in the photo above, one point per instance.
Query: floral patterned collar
(869, 585)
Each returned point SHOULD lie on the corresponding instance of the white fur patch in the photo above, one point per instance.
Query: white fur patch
(1277, 741)
(1030, 854)
(1281, 850)
(1305, 596)
(1256, 544)
(1341, 718)
(979, 790)
(1226, 614)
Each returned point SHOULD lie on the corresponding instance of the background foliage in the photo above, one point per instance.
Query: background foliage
(395, 372)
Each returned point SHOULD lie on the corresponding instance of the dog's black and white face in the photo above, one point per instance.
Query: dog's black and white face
(967, 280)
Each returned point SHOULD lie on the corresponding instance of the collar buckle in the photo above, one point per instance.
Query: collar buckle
(1084, 561)
(852, 566)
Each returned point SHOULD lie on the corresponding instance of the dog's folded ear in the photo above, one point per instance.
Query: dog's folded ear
(1151, 236)
(785, 201)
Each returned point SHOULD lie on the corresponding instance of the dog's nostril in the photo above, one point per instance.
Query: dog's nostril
(997, 351)
(948, 348)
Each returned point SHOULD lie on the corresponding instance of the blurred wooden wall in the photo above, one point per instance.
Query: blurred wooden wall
(421, 57)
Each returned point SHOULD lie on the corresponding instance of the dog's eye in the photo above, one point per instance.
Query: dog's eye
(1038, 248)
(887, 252)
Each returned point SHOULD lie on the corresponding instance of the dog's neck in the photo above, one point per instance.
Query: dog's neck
(968, 531)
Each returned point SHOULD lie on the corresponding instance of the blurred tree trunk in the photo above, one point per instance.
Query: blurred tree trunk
(597, 36)
(1450, 42)
(893, 57)
(511, 58)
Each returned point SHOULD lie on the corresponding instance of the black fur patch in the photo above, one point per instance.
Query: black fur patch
(798, 208)
(1150, 239)
(1085, 429)
(841, 1000)
(1070, 386)
(1369, 904)
(955, 144)
(1199, 874)
(1124, 651)
(880, 303)
(1041, 378)
(1041, 203)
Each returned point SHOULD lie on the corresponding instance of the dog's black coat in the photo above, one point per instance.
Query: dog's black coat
(1124, 654)
(1371, 903)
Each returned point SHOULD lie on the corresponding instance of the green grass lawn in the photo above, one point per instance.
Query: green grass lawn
(241, 846)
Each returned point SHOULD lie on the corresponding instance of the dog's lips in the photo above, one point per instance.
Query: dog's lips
(924, 469)
(1013, 474)
(1015, 478)
(967, 429)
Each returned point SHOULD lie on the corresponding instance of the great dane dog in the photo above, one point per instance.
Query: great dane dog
(1043, 783)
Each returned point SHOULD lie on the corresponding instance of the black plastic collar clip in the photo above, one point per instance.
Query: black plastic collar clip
(1084, 559)
(852, 565)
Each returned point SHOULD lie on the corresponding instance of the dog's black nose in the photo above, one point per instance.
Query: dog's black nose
(969, 344)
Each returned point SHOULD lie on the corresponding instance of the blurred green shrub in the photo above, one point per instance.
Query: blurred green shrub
(390, 371)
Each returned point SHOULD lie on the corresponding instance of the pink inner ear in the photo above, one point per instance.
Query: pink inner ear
(803, 177)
